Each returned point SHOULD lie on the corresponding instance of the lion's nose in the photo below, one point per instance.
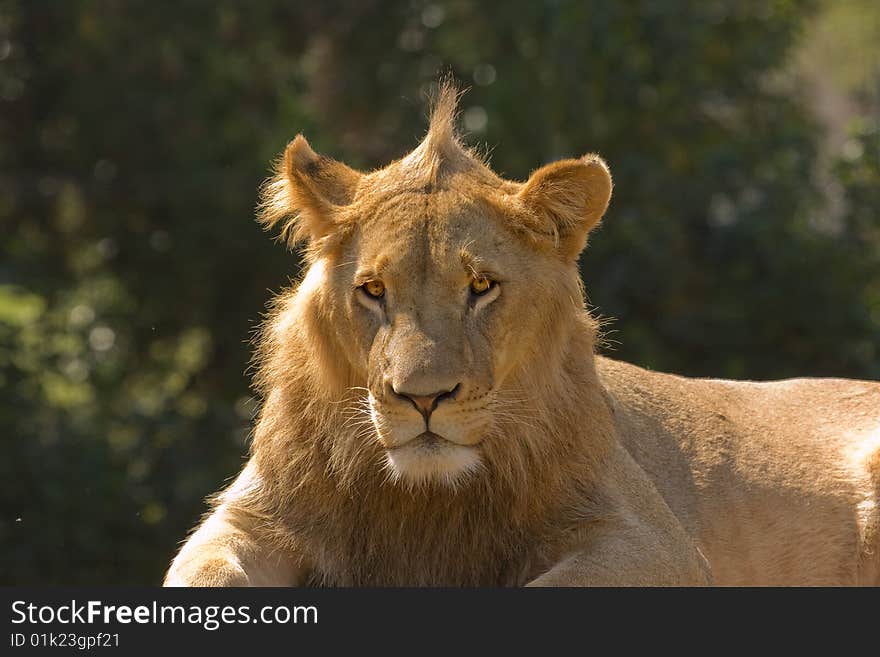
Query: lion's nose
(425, 404)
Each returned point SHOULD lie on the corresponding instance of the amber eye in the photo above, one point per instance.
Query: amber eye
(375, 289)
(481, 285)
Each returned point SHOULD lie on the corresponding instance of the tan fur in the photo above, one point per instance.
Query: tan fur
(549, 465)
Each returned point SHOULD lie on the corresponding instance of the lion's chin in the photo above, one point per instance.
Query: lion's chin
(430, 458)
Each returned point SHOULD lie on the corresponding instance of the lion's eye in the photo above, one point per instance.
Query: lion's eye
(375, 289)
(481, 285)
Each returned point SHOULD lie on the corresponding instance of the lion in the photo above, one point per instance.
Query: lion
(436, 413)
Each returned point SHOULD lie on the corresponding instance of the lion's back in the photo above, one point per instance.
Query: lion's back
(777, 481)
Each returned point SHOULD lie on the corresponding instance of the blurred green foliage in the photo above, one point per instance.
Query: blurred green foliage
(134, 136)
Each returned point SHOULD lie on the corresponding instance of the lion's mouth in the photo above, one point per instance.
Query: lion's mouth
(427, 440)
(429, 456)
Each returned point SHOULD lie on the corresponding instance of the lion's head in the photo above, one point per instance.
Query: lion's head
(435, 288)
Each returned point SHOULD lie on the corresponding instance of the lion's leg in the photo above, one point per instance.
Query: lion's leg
(223, 552)
(869, 561)
(635, 540)
(629, 555)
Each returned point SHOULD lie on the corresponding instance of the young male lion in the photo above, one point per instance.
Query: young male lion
(435, 413)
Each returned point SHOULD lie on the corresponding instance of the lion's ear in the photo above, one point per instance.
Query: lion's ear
(566, 200)
(306, 192)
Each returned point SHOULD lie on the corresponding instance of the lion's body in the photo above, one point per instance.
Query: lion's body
(435, 414)
(777, 482)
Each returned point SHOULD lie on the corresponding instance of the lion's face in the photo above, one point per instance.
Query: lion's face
(442, 302)
(439, 281)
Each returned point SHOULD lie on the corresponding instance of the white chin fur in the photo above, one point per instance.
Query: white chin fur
(419, 464)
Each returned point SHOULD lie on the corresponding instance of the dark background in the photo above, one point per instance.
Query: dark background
(743, 239)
